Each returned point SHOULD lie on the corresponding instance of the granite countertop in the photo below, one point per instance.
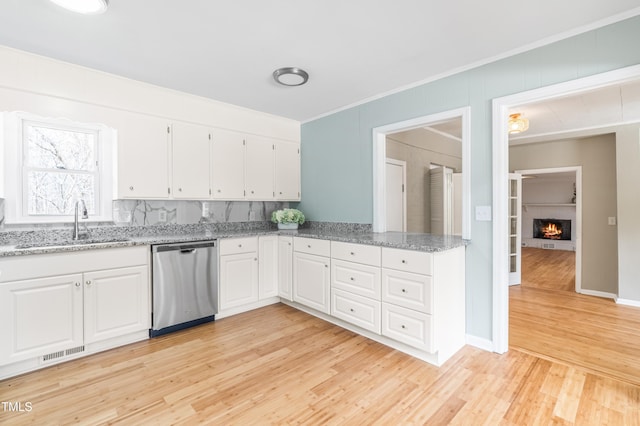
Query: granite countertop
(401, 240)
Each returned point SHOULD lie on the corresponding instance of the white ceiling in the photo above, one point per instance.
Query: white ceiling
(353, 50)
(589, 113)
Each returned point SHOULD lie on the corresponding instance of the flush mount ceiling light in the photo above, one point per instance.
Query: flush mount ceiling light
(290, 76)
(517, 123)
(87, 7)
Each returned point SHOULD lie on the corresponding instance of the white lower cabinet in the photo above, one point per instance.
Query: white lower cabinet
(238, 272)
(311, 280)
(55, 306)
(40, 316)
(285, 267)
(407, 326)
(268, 266)
(357, 310)
(115, 302)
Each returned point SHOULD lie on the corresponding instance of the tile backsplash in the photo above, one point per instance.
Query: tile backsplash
(143, 213)
(149, 213)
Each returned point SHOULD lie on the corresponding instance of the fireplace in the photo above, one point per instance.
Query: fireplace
(552, 229)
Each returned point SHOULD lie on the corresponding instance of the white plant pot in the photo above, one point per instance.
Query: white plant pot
(287, 226)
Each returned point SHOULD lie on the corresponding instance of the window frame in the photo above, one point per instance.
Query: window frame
(16, 170)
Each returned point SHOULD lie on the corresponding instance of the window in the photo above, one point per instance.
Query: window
(58, 163)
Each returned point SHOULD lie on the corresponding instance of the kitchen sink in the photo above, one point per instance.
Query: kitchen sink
(68, 243)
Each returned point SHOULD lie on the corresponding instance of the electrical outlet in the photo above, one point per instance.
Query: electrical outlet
(162, 216)
(252, 215)
(205, 209)
(612, 220)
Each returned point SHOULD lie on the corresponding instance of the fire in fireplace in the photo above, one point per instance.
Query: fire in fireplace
(552, 229)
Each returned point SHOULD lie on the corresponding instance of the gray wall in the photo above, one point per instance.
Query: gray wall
(419, 148)
(597, 156)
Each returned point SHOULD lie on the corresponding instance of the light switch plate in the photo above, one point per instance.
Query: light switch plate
(483, 213)
(612, 220)
(252, 215)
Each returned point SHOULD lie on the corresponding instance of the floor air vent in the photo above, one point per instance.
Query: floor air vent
(60, 354)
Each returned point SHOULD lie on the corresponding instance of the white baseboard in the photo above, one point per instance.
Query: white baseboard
(599, 294)
(479, 342)
(628, 302)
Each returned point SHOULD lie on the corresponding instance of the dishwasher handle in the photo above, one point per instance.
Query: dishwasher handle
(183, 247)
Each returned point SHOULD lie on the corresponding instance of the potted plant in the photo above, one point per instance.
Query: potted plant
(287, 218)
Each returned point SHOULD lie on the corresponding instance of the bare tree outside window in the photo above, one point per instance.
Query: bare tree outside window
(61, 167)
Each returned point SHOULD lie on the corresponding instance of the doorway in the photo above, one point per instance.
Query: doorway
(501, 108)
(550, 197)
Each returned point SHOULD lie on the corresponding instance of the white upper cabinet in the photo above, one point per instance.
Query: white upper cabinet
(259, 167)
(287, 171)
(190, 161)
(143, 158)
(227, 165)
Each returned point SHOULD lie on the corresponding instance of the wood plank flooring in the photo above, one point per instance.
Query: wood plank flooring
(548, 319)
(277, 365)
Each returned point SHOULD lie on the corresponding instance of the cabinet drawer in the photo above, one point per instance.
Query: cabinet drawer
(357, 310)
(356, 278)
(238, 245)
(413, 291)
(312, 246)
(408, 326)
(360, 253)
(407, 260)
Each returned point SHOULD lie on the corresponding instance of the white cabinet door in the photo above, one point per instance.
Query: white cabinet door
(190, 161)
(285, 267)
(311, 281)
(143, 158)
(287, 171)
(116, 302)
(227, 165)
(259, 168)
(268, 265)
(40, 317)
(238, 280)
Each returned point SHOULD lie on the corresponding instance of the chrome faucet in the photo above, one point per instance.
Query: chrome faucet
(85, 215)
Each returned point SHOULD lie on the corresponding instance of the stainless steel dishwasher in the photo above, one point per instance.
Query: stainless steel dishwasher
(184, 285)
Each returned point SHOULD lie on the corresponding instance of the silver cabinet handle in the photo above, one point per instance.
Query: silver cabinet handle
(240, 245)
(403, 326)
(88, 282)
(352, 279)
(179, 189)
(351, 309)
(219, 190)
(309, 245)
(404, 261)
(131, 188)
(77, 284)
(353, 254)
(404, 291)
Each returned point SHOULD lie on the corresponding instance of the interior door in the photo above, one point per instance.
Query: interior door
(396, 195)
(515, 228)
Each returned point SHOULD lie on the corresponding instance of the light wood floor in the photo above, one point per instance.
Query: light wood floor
(277, 365)
(549, 319)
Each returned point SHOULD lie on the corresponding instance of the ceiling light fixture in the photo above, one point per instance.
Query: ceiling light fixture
(86, 7)
(517, 123)
(290, 76)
